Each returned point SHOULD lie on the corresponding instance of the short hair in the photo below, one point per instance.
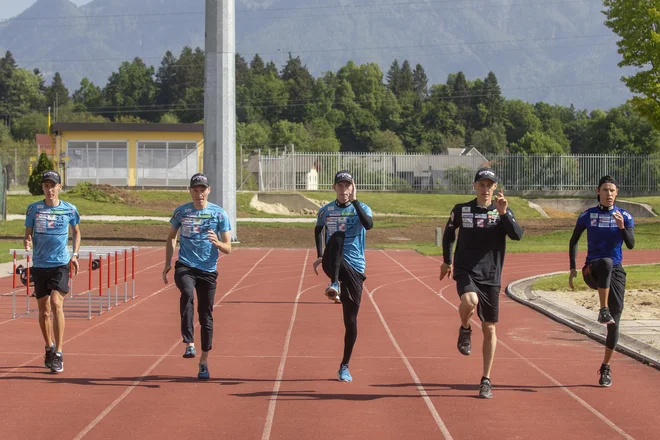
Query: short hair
(603, 180)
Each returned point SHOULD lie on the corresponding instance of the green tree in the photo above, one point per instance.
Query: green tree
(393, 77)
(387, 142)
(300, 85)
(536, 142)
(490, 139)
(167, 82)
(131, 90)
(241, 70)
(88, 97)
(420, 82)
(34, 182)
(57, 93)
(28, 125)
(406, 78)
(637, 22)
(257, 65)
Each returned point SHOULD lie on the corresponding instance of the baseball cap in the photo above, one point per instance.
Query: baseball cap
(485, 173)
(343, 175)
(51, 175)
(199, 179)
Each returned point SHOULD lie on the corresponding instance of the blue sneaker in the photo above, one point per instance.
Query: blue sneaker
(332, 291)
(203, 372)
(343, 374)
(190, 352)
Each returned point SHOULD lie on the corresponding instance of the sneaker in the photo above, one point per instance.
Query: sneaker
(485, 390)
(464, 345)
(605, 376)
(48, 357)
(57, 363)
(605, 317)
(190, 352)
(332, 291)
(203, 372)
(337, 300)
(343, 374)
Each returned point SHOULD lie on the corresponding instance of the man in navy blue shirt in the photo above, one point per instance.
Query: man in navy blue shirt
(204, 233)
(608, 227)
(345, 222)
(477, 266)
(47, 223)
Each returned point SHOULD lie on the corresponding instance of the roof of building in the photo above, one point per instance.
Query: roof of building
(59, 127)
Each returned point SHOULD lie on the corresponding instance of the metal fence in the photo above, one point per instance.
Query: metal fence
(454, 173)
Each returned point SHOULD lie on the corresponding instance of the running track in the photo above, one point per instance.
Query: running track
(277, 346)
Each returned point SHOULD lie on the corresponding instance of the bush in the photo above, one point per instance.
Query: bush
(34, 182)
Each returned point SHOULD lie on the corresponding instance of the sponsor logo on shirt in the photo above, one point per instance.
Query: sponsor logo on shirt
(480, 223)
(467, 209)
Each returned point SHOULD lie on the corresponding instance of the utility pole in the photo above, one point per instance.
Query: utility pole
(220, 106)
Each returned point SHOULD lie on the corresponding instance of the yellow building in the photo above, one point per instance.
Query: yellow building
(126, 154)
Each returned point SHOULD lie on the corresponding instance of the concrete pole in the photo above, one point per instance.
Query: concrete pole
(220, 106)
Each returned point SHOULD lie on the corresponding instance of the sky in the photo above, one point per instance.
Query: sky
(11, 8)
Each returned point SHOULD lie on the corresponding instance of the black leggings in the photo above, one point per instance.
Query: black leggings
(338, 270)
(188, 280)
(603, 274)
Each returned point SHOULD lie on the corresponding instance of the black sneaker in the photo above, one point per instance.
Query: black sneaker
(57, 363)
(48, 357)
(464, 345)
(605, 317)
(485, 391)
(605, 376)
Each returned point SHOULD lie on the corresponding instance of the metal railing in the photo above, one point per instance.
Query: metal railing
(292, 171)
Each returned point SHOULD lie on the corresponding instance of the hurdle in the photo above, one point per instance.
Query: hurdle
(91, 253)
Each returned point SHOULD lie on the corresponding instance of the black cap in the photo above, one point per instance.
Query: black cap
(199, 179)
(343, 175)
(485, 173)
(51, 175)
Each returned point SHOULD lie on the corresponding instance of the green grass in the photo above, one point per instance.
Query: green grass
(426, 205)
(647, 236)
(5, 246)
(654, 201)
(639, 277)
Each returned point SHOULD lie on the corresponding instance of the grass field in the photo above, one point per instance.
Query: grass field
(639, 277)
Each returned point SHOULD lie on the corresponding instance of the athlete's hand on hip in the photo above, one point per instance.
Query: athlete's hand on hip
(353, 195)
(618, 218)
(570, 278)
(445, 270)
(316, 265)
(167, 268)
(76, 265)
(27, 242)
(501, 203)
(213, 238)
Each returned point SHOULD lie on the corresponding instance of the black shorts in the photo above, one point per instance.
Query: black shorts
(615, 299)
(489, 297)
(47, 279)
(351, 282)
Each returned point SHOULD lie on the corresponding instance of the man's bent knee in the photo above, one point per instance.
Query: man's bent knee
(470, 299)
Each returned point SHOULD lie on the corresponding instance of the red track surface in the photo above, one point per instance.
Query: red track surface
(277, 347)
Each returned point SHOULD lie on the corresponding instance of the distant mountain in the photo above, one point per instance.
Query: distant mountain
(557, 51)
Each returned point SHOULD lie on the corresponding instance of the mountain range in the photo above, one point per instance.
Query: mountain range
(557, 51)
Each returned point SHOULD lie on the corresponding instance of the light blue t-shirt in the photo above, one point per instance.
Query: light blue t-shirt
(336, 218)
(195, 249)
(51, 232)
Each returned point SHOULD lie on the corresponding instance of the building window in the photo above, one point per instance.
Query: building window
(99, 162)
(166, 163)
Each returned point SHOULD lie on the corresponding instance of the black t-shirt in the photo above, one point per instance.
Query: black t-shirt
(481, 241)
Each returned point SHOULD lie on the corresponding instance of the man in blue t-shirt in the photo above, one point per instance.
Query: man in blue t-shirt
(204, 233)
(47, 233)
(608, 227)
(345, 222)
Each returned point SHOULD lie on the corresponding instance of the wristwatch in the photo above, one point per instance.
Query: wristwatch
(76, 255)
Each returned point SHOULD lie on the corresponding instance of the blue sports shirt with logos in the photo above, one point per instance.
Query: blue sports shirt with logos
(195, 249)
(604, 238)
(336, 218)
(50, 225)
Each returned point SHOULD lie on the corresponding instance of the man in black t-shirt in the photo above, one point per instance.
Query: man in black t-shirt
(477, 265)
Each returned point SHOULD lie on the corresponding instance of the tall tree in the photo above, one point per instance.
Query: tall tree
(300, 84)
(241, 70)
(167, 82)
(7, 68)
(393, 75)
(88, 97)
(405, 78)
(57, 93)
(420, 82)
(637, 22)
(493, 100)
(131, 90)
(257, 65)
